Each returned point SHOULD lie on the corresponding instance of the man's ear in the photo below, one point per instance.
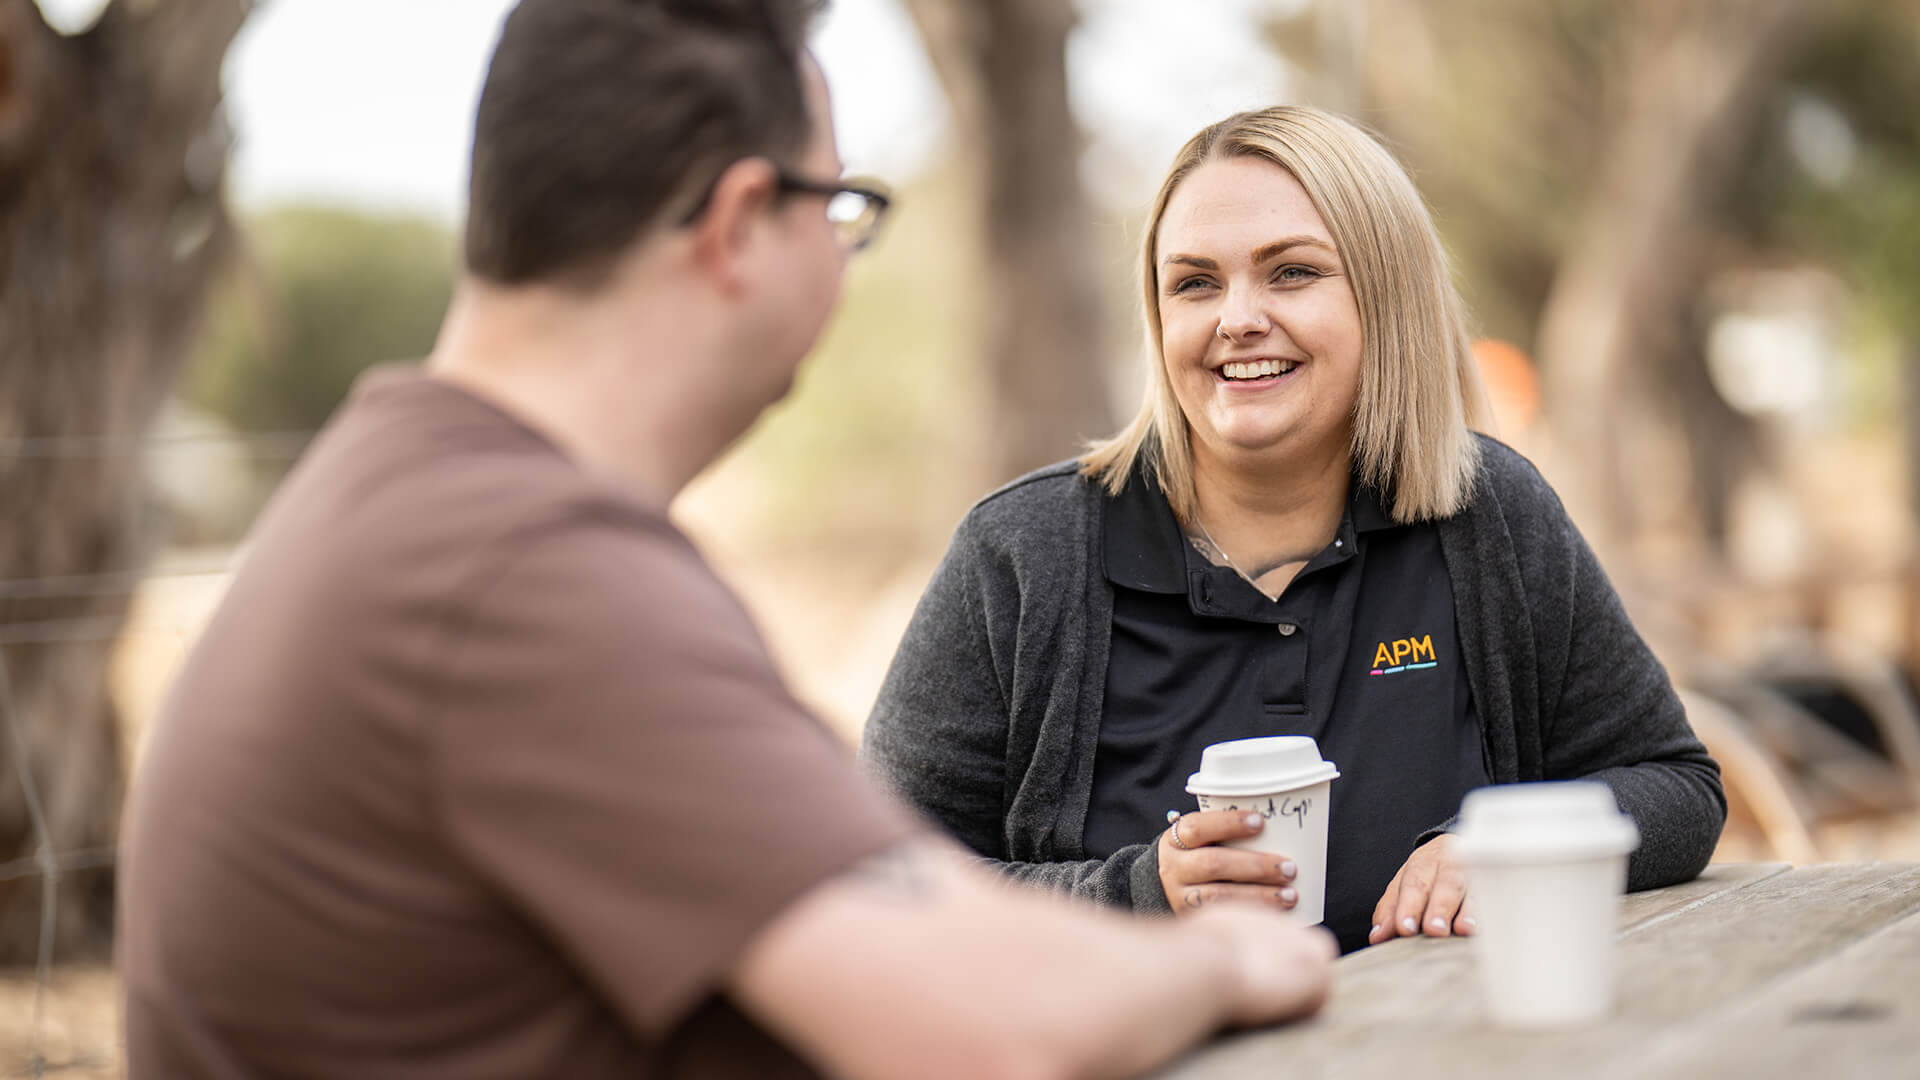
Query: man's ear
(724, 229)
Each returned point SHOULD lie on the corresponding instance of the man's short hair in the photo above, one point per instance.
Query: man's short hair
(602, 119)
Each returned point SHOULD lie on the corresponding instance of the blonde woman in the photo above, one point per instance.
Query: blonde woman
(1297, 534)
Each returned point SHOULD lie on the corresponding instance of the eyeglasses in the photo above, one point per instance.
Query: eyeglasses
(855, 210)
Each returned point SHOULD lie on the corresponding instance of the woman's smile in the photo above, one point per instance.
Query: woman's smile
(1257, 373)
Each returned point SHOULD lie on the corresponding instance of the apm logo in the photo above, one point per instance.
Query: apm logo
(1406, 654)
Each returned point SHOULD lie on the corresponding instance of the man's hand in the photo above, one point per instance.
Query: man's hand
(1281, 970)
(977, 976)
(1198, 871)
(1428, 896)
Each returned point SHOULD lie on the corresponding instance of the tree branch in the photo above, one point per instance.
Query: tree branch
(954, 36)
(24, 41)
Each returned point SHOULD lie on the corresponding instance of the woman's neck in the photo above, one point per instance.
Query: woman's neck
(1269, 516)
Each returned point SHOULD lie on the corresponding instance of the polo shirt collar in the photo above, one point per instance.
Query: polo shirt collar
(1145, 549)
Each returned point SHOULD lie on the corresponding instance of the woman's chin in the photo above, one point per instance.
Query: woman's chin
(1262, 437)
(1266, 443)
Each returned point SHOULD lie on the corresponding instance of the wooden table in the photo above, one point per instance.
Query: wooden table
(1753, 970)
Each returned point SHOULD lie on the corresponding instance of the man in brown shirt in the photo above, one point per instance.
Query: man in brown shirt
(479, 771)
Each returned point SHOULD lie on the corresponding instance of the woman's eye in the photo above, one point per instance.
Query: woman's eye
(1294, 275)
(1192, 284)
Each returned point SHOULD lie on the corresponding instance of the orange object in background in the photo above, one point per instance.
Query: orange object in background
(1513, 386)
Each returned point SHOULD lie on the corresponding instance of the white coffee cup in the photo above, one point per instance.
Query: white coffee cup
(1285, 779)
(1546, 865)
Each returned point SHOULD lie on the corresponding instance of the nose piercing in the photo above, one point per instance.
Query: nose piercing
(1220, 328)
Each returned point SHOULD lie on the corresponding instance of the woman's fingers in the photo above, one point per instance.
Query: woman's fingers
(1464, 923)
(1416, 884)
(1194, 897)
(1427, 896)
(1383, 911)
(1205, 827)
(1213, 862)
(1191, 857)
(1443, 902)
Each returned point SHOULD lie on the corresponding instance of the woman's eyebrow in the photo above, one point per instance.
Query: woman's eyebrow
(1260, 254)
(1268, 251)
(1200, 261)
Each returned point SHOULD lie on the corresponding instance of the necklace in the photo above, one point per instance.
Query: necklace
(1231, 565)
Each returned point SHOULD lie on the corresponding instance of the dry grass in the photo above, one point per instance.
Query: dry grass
(80, 1038)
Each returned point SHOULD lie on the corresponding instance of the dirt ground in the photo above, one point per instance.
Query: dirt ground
(80, 1035)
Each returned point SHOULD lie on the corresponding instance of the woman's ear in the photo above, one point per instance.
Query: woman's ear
(724, 230)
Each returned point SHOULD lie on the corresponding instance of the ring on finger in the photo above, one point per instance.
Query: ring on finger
(1173, 834)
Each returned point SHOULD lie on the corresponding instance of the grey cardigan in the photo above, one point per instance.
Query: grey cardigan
(990, 714)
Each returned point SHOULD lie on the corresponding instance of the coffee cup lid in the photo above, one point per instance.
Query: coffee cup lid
(1260, 766)
(1568, 819)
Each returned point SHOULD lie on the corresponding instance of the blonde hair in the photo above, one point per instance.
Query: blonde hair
(1419, 388)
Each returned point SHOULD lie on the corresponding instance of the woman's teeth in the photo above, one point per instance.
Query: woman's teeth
(1257, 369)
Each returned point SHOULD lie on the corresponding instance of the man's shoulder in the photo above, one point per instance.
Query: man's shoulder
(442, 466)
(420, 502)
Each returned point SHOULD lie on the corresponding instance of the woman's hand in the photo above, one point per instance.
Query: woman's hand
(1428, 896)
(1198, 871)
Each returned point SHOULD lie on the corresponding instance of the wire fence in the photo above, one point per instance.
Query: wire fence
(48, 864)
(45, 863)
(257, 444)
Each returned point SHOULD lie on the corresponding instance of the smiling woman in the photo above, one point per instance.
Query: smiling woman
(1261, 343)
(1336, 221)
(1299, 495)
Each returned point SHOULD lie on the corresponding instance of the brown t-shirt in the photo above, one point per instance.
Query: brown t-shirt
(479, 771)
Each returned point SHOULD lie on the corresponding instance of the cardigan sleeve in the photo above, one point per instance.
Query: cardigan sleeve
(1607, 709)
(1617, 719)
(938, 733)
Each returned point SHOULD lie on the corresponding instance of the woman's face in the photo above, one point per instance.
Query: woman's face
(1260, 330)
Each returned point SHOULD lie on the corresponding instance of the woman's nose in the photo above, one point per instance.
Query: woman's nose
(1241, 321)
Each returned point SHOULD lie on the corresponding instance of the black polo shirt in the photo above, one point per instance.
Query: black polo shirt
(1360, 652)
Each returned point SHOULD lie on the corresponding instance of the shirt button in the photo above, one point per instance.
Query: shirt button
(1286, 629)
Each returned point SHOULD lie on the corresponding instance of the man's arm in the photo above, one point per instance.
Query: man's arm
(917, 963)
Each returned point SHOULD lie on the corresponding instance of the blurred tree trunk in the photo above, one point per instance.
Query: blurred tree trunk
(1003, 64)
(113, 151)
(1692, 80)
(1910, 424)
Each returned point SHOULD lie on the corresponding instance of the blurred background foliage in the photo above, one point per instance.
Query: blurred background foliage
(317, 295)
(1503, 110)
(1695, 225)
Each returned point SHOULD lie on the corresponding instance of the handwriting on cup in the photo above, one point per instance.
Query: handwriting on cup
(1284, 806)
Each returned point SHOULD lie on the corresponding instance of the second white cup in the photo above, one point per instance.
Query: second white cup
(1546, 865)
